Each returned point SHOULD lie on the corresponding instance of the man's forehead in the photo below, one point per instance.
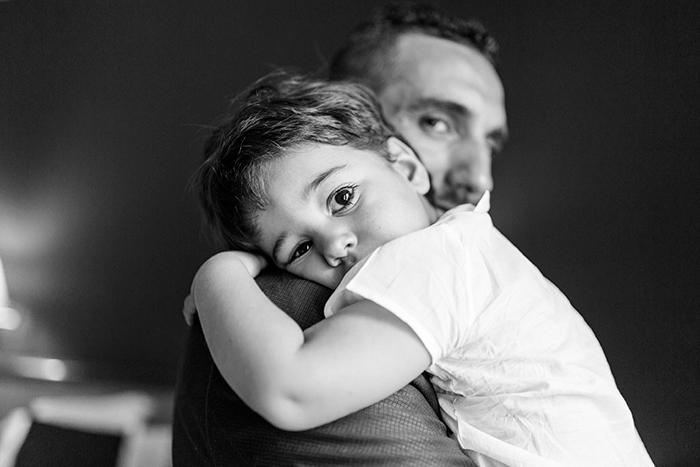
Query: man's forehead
(430, 64)
(432, 73)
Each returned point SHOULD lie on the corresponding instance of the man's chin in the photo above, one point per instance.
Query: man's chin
(450, 200)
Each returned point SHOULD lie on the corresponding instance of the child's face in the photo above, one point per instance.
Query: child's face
(330, 206)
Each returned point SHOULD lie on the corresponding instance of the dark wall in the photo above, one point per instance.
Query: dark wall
(101, 109)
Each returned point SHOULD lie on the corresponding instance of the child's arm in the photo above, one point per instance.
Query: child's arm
(299, 380)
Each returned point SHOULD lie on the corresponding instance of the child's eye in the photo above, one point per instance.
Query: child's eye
(300, 251)
(342, 199)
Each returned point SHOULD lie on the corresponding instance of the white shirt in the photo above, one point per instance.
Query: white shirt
(521, 379)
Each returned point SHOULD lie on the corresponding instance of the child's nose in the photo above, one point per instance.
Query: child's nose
(339, 246)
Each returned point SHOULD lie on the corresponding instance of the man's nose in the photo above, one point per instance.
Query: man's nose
(338, 245)
(471, 170)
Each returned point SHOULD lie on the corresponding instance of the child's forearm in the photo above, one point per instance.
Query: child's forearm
(249, 338)
(298, 380)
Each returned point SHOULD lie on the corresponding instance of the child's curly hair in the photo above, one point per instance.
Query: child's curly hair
(278, 113)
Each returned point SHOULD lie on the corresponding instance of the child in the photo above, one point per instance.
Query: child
(307, 175)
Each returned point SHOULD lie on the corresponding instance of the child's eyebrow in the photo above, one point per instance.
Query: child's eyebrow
(321, 177)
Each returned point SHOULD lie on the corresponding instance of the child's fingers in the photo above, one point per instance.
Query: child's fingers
(189, 309)
(263, 262)
(254, 263)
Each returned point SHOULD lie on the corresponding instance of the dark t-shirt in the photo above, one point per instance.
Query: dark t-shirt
(213, 427)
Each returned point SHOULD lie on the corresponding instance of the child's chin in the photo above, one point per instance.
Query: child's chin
(332, 282)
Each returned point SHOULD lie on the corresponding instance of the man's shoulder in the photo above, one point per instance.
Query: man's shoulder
(301, 299)
(212, 425)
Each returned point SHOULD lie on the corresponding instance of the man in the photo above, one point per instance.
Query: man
(435, 79)
(454, 117)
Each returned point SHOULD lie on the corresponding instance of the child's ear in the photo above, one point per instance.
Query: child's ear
(405, 161)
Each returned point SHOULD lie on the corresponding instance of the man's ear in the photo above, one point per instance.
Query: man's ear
(405, 161)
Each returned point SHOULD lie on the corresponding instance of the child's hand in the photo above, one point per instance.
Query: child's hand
(253, 263)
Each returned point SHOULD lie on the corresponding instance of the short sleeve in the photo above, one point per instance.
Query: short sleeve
(436, 280)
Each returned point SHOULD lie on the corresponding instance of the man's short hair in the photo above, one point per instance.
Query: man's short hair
(278, 113)
(367, 54)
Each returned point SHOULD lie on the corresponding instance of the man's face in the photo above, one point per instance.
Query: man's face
(448, 102)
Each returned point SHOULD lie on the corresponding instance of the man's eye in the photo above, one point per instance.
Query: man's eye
(300, 251)
(342, 199)
(497, 141)
(436, 125)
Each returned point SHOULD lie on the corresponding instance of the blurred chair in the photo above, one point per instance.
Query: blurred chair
(94, 431)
